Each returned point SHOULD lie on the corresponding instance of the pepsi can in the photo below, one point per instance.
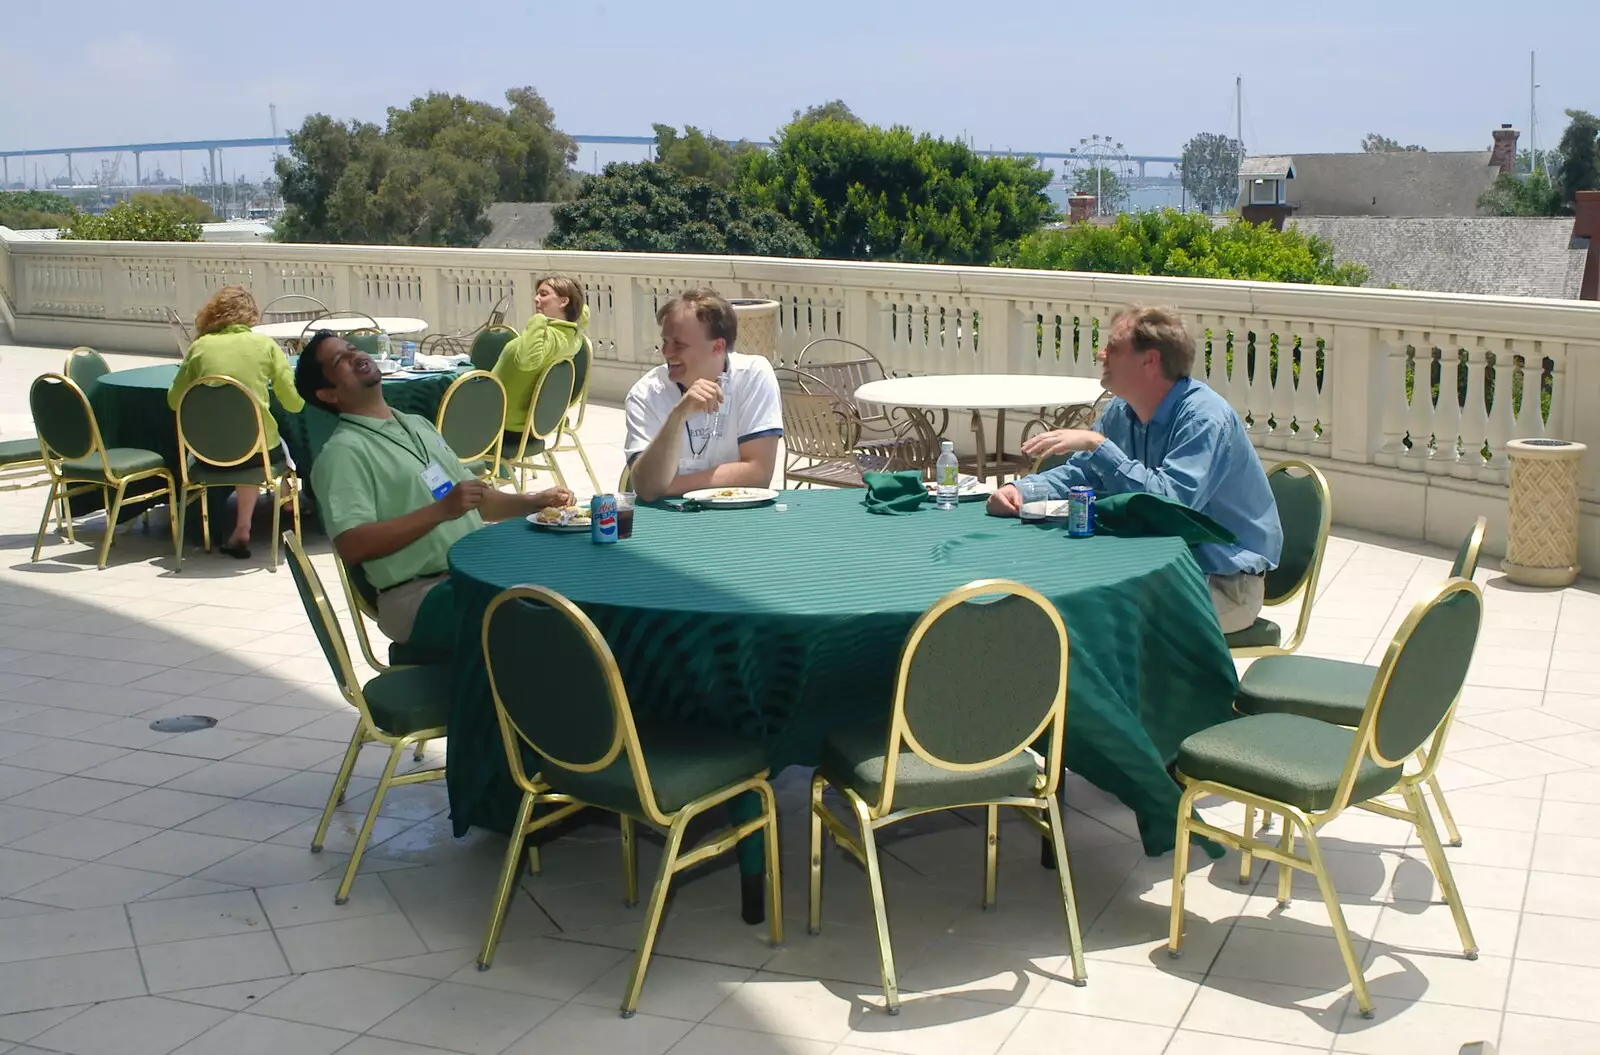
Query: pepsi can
(603, 518)
(1080, 512)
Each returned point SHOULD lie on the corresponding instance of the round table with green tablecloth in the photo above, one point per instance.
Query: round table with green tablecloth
(131, 406)
(786, 624)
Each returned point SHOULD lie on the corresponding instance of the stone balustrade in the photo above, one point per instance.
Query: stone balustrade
(1405, 399)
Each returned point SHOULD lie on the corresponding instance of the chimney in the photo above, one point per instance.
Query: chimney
(1080, 207)
(1586, 233)
(1504, 154)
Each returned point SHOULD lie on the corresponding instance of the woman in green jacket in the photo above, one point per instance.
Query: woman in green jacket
(554, 333)
(226, 346)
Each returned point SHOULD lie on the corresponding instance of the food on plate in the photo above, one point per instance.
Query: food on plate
(562, 515)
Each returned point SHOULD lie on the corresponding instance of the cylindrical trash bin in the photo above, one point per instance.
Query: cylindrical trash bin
(1542, 537)
(758, 327)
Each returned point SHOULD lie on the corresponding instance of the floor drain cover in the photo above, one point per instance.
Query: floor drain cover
(183, 723)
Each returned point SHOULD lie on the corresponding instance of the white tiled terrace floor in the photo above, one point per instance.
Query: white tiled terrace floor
(156, 893)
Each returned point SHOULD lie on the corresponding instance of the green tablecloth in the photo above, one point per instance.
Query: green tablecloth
(131, 406)
(786, 625)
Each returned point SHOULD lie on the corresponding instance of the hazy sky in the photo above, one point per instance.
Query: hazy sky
(1026, 74)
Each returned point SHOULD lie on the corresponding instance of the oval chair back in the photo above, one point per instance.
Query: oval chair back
(582, 360)
(180, 330)
(488, 344)
(219, 423)
(293, 307)
(63, 417)
(86, 367)
(1305, 513)
(369, 341)
(1466, 563)
(987, 625)
(578, 719)
(1418, 682)
(472, 417)
(325, 624)
(551, 399)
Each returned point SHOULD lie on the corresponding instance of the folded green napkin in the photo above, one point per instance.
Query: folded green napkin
(894, 493)
(1137, 513)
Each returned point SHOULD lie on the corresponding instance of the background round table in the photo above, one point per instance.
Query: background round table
(292, 331)
(978, 393)
(787, 625)
(131, 407)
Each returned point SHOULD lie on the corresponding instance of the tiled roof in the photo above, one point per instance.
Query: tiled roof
(1402, 183)
(1505, 255)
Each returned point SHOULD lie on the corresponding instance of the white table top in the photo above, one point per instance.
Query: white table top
(292, 331)
(981, 391)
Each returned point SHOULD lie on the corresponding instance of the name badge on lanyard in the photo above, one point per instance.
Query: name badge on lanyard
(437, 483)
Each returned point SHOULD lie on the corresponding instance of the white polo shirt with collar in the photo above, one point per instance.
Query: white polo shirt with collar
(753, 406)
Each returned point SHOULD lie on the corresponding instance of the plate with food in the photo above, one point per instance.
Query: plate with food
(1054, 509)
(968, 488)
(732, 497)
(561, 518)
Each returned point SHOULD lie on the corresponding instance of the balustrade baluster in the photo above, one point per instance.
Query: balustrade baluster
(1474, 416)
(1420, 418)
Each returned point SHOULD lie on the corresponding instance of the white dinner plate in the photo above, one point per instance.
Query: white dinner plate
(560, 527)
(1054, 509)
(732, 497)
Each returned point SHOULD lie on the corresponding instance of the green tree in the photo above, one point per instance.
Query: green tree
(1167, 242)
(1210, 170)
(428, 177)
(186, 206)
(866, 193)
(696, 154)
(1105, 184)
(649, 207)
(1580, 156)
(349, 183)
(132, 221)
(1529, 195)
(1373, 143)
(529, 156)
(29, 210)
(832, 110)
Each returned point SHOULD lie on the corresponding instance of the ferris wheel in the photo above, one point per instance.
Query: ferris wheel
(1101, 168)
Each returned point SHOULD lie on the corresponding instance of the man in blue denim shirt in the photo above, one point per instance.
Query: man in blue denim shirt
(1171, 435)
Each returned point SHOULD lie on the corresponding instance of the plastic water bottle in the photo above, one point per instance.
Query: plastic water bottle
(946, 475)
(719, 419)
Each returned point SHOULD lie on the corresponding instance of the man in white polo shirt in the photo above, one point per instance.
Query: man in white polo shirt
(673, 444)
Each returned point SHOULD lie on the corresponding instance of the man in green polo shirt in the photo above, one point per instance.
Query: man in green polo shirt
(394, 496)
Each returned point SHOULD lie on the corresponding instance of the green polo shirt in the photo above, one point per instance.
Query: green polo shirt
(371, 470)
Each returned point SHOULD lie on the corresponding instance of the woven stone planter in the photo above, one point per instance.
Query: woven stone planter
(1542, 537)
(758, 328)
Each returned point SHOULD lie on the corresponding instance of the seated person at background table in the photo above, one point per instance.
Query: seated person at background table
(672, 410)
(1168, 434)
(554, 333)
(226, 346)
(394, 496)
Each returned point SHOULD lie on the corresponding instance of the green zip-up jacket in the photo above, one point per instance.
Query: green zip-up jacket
(529, 354)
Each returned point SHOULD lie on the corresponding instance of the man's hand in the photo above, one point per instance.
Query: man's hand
(558, 497)
(702, 397)
(462, 499)
(1005, 502)
(1062, 441)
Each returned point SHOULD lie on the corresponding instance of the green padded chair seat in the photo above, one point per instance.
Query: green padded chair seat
(1286, 757)
(124, 461)
(14, 451)
(1261, 633)
(405, 654)
(853, 758)
(217, 476)
(684, 763)
(405, 700)
(1329, 690)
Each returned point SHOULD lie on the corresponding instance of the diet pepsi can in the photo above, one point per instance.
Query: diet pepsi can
(1080, 512)
(603, 518)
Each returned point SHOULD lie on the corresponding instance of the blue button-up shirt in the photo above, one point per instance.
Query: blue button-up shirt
(1193, 450)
